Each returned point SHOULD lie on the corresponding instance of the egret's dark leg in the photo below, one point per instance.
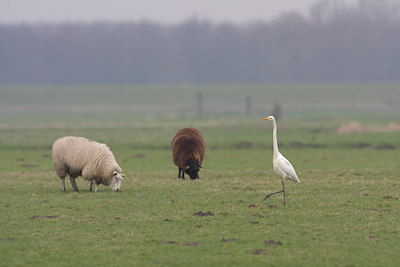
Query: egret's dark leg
(267, 196)
(281, 191)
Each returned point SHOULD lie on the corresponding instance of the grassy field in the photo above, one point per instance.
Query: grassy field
(345, 211)
(182, 99)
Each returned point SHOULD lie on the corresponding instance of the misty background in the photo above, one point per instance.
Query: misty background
(335, 42)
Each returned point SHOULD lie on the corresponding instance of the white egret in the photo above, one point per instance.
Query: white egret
(282, 166)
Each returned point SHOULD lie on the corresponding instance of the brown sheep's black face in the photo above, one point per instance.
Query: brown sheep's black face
(193, 170)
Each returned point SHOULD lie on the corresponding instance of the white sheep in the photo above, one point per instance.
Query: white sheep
(78, 156)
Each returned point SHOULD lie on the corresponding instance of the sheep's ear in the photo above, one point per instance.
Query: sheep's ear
(115, 172)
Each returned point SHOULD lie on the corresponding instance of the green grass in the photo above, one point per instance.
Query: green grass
(345, 211)
(171, 99)
(337, 215)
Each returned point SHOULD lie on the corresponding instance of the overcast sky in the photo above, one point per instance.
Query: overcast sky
(165, 11)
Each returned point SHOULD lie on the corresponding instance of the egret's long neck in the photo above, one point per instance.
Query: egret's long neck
(275, 141)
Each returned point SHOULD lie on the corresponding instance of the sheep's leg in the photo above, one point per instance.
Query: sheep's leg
(73, 183)
(90, 186)
(95, 186)
(62, 184)
(183, 173)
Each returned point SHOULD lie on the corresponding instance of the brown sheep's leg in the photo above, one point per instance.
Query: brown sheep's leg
(62, 184)
(73, 183)
(179, 174)
(90, 186)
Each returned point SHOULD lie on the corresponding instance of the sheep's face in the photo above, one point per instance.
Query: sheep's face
(193, 170)
(116, 181)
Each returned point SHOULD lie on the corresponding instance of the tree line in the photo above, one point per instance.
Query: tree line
(337, 43)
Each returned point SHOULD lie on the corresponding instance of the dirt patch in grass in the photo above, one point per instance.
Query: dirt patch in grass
(29, 165)
(170, 242)
(273, 206)
(138, 156)
(361, 145)
(244, 145)
(47, 217)
(201, 213)
(272, 242)
(228, 240)
(167, 220)
(383, 146)
(88, 220)
(375, 209)
(357, 127)
(298, 144)
(164, 241)
(260, 252)
(389, 197)
(9, 239)
(189, 244)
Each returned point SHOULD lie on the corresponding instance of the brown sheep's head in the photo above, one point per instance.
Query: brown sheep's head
(192, 170)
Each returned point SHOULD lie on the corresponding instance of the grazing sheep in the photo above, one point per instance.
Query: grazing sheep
(188, 147)
(78, 156)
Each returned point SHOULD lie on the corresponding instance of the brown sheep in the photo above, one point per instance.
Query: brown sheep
(188, 147)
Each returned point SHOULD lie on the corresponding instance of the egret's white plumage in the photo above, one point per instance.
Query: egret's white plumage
(282, 166)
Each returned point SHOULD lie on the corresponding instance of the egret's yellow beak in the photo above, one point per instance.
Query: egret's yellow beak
(266, 118)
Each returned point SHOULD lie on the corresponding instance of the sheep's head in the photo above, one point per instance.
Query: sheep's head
(116, 180)
(193, 170)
